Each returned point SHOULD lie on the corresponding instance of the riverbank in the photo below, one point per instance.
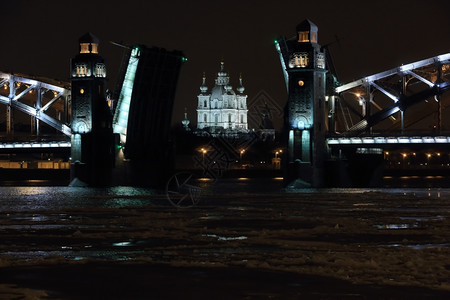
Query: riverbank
(251, 242)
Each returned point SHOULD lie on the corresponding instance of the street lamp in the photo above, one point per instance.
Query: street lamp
(241, 153)
(203, 151)
(278, 152)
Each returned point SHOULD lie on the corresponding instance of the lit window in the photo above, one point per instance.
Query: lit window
(94, 48)
(320, 61)
(84, 48)
(303, 36)
(299, 60)
(314, 37)
(81, 91)
(81, 70)
(100, 70)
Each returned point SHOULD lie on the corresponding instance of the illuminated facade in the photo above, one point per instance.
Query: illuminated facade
(222, 110)
(88, 80)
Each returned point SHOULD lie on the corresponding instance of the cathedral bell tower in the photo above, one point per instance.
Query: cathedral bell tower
(303, 63)
(92, 139)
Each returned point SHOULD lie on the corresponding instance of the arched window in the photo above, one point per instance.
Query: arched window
(205, 118)
(242, 118)
(229, 118)
(205, 104)
(216, 118)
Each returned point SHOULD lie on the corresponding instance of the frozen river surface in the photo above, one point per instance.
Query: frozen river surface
(244, 239)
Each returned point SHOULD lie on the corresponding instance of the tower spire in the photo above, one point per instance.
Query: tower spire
(185, 122)
(204, 87)
(241, 87)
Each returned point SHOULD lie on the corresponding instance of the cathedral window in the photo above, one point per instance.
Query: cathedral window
(303, 36)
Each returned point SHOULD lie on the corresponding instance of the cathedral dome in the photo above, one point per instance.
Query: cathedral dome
(217, 92)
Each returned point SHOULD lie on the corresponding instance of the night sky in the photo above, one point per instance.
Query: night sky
(39, 37)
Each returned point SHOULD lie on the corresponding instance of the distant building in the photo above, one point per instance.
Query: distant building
(266, 129)
(222, 111)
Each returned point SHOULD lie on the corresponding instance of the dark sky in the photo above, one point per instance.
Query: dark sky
(39, 37)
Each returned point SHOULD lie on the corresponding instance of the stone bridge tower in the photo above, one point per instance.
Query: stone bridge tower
(303, 63)
(91, 119)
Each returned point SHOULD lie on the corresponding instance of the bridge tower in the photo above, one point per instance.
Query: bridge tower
(91, 119)
(303, 63)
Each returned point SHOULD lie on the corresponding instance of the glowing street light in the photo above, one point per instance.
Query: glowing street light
(279, 151)
(241, 153)
(203, 151)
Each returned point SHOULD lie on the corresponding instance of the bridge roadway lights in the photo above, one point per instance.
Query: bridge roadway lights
(367, 141)
(35, 145)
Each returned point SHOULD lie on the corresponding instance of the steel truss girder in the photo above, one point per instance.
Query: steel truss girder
(437, 60)
(405, 102)
(38, 112)
(401, 102)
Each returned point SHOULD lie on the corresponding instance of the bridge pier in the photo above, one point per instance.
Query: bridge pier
(354, 170)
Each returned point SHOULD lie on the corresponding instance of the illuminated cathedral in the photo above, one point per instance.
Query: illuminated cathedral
(222, 111)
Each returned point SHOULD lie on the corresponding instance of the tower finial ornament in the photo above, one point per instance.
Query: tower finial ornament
(204, 87)
(241, 87)
(185, 122)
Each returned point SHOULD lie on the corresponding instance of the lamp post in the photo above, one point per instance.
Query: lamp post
(203, 151)
(241, 153)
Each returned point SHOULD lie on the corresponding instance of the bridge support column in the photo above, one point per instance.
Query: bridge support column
(9, 120)
(9, 109)
(332, 114)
